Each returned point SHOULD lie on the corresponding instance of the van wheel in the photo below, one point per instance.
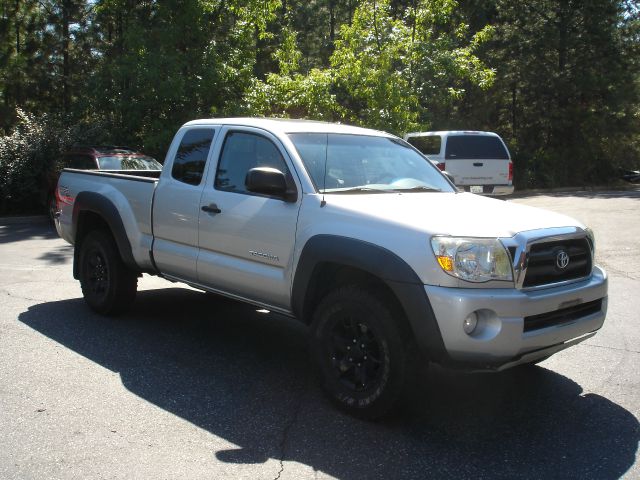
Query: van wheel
(360, 351)
(108, 286)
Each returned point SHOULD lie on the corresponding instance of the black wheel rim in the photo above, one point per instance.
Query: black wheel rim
(355, 354)
(97, 273)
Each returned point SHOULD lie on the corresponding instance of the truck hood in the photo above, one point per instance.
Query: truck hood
(456, 214)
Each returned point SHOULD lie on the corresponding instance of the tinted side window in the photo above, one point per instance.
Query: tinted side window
(191, 157)
(476, 147)
(242, 152)
(428, 145)
(82, 162)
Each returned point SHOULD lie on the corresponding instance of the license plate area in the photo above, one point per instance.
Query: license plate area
(475, 188)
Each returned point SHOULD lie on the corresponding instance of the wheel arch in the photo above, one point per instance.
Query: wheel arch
(92, 211)
(329, 261)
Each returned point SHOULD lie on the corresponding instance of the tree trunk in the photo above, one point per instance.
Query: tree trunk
(66, 40)
(332, 21)
(18, 89)
(513, 109)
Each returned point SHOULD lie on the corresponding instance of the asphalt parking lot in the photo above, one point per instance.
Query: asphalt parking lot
(189, 385)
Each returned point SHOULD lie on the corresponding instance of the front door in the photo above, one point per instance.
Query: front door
(247, 240)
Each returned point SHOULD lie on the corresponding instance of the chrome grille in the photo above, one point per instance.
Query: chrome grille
(542, 261)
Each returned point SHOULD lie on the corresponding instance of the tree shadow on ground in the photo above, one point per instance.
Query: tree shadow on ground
(58, 256)
(244, 376)
(27, 231)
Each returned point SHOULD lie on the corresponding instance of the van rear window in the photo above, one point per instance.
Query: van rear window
(475, 147)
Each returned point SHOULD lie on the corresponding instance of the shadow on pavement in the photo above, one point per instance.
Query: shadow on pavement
(26, 231)
(58, 255)
(244, 376)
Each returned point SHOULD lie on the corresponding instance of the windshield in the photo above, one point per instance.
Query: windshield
(123, 162)
(339, 163)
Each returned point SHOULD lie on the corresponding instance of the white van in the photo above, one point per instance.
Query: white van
(479, 162)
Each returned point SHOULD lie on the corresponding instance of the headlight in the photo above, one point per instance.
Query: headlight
(473, 259)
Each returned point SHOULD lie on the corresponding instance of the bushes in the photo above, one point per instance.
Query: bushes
(29, 159)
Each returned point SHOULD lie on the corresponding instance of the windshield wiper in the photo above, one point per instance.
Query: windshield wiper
(359, 190)
(419, 188)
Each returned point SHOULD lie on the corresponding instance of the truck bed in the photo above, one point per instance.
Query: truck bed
(130, 192)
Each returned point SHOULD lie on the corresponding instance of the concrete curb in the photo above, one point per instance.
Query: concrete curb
(29, 219)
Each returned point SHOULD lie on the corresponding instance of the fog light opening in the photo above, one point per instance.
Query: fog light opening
(470, 323)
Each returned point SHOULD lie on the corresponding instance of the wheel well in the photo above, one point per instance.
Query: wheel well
(328, 276)
(87, 222)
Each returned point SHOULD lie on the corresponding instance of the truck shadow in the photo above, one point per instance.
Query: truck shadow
(244, 376)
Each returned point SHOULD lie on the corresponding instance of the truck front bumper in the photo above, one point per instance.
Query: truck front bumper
(517, 326)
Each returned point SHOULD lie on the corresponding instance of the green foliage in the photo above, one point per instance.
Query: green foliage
(566, 91)
(28, 159)
(558, 79)
(385, 72)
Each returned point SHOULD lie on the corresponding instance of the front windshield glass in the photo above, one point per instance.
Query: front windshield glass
(339, 163)
(124, 162)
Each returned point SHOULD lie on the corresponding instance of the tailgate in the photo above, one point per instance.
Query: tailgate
(477, 159)
(478, 171)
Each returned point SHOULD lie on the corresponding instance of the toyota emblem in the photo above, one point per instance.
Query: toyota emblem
(562, 259)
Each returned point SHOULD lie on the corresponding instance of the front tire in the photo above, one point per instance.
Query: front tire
(361, 351)
(108, 286)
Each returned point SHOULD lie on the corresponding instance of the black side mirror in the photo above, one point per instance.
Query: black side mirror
(269, 181)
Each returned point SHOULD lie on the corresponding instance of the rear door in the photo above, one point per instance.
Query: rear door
(247, 240)
(176, 206)
(476, 159)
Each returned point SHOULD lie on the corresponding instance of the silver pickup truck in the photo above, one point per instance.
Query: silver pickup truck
(353, 232)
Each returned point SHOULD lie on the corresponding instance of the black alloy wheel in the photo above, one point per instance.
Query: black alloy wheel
(97, 273)
(361, 350)
(356, 354)
(108, 286)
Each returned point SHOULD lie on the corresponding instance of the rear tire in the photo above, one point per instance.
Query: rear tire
(361, 350)
(52, 209)
(108, 286)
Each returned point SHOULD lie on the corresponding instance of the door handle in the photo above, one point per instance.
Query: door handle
(213, 208)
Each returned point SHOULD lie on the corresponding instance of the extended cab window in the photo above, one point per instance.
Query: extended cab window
(475, 147)
(429, 145)
(191, 157)
(241, 152)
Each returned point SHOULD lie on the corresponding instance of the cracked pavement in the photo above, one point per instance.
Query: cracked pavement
(190, 385)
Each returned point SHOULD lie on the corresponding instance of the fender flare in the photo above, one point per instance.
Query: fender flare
(392, 270)
(101, 205)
